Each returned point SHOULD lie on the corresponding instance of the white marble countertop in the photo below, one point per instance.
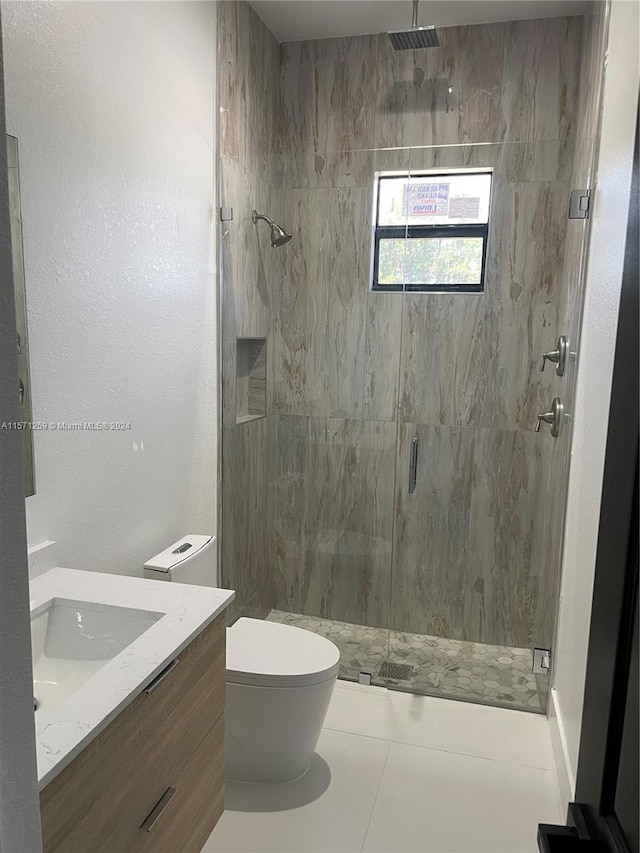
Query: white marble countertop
(63, 730)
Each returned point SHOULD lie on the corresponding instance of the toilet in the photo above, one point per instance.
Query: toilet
(279, 678)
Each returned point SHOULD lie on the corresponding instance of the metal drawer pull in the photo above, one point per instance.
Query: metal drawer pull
(156, 811)
(161, 676)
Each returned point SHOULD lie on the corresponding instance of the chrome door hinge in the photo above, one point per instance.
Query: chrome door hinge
(226, 214)
(541, 661)
(579, 203)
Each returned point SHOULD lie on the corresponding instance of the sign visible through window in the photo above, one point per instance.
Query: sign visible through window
(430, 232)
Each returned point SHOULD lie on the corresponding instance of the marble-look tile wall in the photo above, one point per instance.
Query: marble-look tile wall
(592, 69)
(249, 99)
(473, 553)
(316, 516)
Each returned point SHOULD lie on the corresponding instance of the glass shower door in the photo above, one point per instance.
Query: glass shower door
(475, 550)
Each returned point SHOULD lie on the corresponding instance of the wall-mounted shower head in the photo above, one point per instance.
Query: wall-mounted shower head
(415, 38)
(278, 235)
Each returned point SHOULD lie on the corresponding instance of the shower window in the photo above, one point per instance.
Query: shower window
(430, 231)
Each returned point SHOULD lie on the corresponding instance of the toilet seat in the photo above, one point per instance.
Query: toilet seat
(269, 654)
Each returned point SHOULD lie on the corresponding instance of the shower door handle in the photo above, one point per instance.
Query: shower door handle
(413, 465)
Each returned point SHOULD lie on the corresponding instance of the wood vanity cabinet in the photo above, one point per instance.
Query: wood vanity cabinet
(153, 780)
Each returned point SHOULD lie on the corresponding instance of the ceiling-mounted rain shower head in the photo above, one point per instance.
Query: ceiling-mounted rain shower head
(278, 235)
(417, 37)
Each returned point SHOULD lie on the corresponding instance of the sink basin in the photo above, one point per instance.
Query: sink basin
(72, 640)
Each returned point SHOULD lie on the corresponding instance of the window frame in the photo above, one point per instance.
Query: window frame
(408, 232)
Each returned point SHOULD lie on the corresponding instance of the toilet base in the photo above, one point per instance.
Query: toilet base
(272, 732)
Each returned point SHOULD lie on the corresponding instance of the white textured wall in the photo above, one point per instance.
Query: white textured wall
(19, 814)
(595, 371)
(112, 103)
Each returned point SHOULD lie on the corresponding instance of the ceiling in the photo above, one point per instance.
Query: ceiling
(297, 20)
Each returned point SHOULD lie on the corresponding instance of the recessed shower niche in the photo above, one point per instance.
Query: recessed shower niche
(251, 379)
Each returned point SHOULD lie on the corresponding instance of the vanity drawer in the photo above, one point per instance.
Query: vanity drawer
(100, 800)
(189, 816)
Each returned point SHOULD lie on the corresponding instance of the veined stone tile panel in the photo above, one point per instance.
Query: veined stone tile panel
(328, 89)
(540, 79)
(547, 160)
(246, 542)
(247, 253)
(331, 512)
(320, 322)
(508, 81)
(251, 270)
(595, 30)
(233, 18)
(248, 88)
(313, 169)
(525, 263)
(383, 333)
(511, 538)
(476, 554)
(263, 99)
(431, 560)
(447, 344)
(392, 159)
(482, 352)
(414, 105)
(551, 508)
(513, 162)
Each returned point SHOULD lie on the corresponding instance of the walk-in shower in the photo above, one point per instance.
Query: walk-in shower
(431, 268)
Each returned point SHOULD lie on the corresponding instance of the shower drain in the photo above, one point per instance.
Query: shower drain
(399, 671)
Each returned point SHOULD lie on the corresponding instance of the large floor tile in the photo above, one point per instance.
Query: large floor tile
(370, 711)
(442, 802)
(327, 811)
(497, 733)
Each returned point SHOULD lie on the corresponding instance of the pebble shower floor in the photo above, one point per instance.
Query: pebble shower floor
(476, 672)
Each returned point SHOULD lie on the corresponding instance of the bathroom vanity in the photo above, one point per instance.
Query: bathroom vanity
(130, 757)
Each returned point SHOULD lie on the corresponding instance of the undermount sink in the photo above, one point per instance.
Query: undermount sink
(72, 640)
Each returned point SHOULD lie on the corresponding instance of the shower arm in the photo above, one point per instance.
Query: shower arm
(255, 216)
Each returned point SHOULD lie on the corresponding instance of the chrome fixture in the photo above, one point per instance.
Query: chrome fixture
(415, 38)
(555, 417)
(541, 661)
(579, 204)
(278, 235)
(558, 356)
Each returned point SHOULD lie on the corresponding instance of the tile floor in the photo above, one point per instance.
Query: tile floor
(495, 675)
(398, 772)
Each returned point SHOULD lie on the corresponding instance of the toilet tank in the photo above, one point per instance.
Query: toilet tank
(191, 559)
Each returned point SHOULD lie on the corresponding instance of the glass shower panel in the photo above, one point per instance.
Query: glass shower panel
(334, 421)
(475, 541)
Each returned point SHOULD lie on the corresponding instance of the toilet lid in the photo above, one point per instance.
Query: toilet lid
(270, 654)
